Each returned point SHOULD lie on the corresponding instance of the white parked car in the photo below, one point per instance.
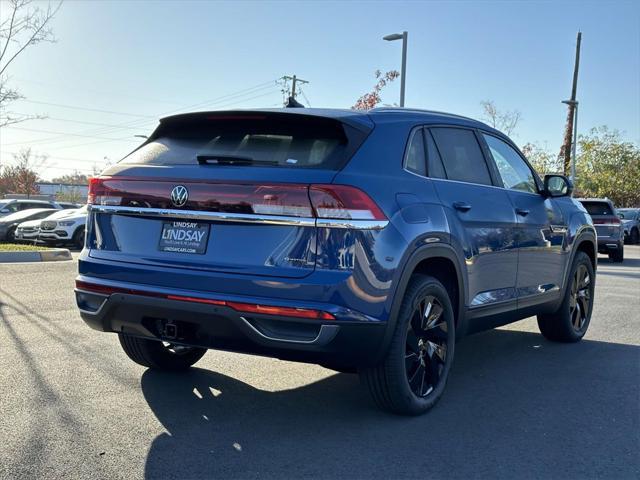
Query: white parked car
(66, 226)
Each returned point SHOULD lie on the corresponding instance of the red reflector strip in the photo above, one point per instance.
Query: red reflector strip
(283, 311)
(237, 306)
(197, 300)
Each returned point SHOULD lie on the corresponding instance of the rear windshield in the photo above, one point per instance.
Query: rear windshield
(598, 208)
(298, 142)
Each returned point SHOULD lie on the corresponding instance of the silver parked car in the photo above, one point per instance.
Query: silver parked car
(608, 227)
(630, 218)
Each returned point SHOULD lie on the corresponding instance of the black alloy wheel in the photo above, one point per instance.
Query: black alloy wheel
(426, 346)
(580, 300)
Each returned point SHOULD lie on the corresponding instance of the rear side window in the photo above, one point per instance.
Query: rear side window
(461, 155)
(415, 159)
(598, 208)
(292, 141)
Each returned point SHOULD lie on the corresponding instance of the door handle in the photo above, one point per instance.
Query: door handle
(523, 212)
(462, 206)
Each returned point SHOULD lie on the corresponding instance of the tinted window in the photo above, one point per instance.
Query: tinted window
(598, 208)
(415, 160)
(435, 169)
(30, 205)
(12, 207)
(294, 142)
(461, 155)
(515, 173)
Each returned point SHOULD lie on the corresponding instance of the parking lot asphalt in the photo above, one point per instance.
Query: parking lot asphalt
(516, 406)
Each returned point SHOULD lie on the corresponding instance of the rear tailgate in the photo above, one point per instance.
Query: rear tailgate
(605, 220)
(228, 193)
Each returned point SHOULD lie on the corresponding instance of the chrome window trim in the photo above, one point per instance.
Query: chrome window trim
(240, 217)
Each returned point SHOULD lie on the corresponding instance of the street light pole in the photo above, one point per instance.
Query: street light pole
(404, 67)
(403, 72)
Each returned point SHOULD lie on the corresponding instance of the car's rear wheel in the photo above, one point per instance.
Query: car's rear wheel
(411, 378)
(571, 321)
(617, 255)
(634, 238)
(160, 355)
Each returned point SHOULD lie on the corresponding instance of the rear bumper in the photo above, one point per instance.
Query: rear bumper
(609, 244)
(352, 339)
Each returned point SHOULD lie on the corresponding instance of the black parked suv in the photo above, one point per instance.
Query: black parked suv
(361, 241)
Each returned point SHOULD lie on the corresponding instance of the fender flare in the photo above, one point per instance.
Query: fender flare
(425, 252)
(584, 234)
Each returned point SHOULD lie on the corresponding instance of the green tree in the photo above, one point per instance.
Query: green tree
(608, 166)
(541, 159)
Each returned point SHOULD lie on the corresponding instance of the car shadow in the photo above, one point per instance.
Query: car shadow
(628, 262)
(515, 405)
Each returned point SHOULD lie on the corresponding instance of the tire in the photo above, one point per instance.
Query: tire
(78, 238)
(411, 378)
(159, 356)
(570, 322)
(617, 255)
(11, 235)
(634, 238)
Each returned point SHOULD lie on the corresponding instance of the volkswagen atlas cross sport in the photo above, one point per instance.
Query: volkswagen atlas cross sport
(360, 241)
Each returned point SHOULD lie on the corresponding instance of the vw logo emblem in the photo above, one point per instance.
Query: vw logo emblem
(179, 195)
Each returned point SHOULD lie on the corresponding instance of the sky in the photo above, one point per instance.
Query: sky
(118, 66)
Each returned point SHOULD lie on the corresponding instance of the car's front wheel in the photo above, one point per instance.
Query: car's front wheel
(160, 355)
(78, 238)
(413, 375)
(571, 321)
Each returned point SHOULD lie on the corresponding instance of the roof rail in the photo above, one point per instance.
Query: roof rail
(418, 110)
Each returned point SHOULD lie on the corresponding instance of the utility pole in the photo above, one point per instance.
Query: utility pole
(571, 128)
(291, 100)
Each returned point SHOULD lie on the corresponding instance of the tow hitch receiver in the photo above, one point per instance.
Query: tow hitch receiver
(170, 331)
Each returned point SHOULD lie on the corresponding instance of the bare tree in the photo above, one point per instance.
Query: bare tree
(25, 26)
(506, 121)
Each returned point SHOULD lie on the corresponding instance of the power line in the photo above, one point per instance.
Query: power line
(84, 122)
(75, 107)
(59, 133)
(139, 123)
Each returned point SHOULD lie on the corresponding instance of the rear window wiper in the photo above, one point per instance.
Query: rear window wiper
(231, 160)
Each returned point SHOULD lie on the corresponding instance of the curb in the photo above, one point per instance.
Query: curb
(52, 255)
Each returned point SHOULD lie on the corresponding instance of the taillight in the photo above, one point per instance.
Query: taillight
(340, 202)
(607, 221)
(343, 202)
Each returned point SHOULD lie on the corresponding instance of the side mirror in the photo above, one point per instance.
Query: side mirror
(5, 210)
(557, 186)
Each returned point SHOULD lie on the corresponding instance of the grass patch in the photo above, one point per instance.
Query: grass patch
(16, 247)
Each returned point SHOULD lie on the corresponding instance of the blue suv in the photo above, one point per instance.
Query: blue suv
(360, 241)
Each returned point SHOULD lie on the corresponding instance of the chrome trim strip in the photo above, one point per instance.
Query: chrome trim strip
(240, 217)
(203, 215)
(325, 335)
(352, 224)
